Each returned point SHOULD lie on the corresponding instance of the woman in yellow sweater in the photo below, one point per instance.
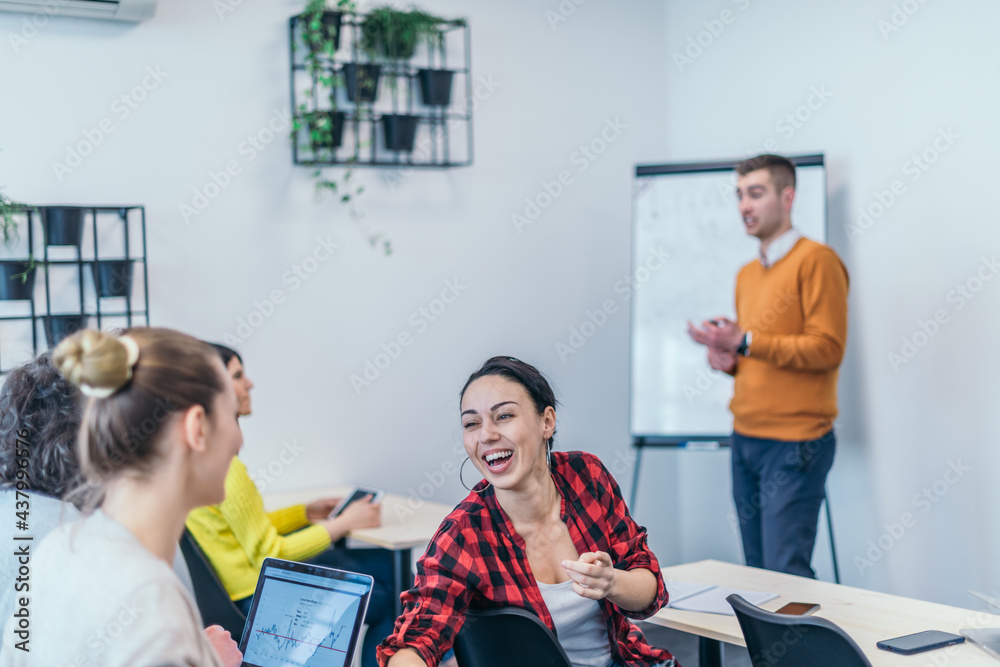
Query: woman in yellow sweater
(237, 534)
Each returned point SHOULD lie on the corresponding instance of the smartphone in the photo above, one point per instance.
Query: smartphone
(798, 609)
(357, 493)
(919, 642)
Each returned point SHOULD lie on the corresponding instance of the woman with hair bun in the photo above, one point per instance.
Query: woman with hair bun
(158, 433)
(237, 535)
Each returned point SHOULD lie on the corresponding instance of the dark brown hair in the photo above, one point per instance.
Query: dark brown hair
(227, 353)
(526, 375)
(781, 169)
(35, 398)
(119, 433)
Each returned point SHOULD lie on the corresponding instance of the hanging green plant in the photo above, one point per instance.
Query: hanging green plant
(321, 25)
(326, 128)
(320, 29)
(395, 34)
(14, 274)
(8, 210)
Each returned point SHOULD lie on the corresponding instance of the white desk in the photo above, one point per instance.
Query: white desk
(867, 616)
(406, 524)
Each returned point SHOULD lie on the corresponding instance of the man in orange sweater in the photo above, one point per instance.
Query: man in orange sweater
(784, 350)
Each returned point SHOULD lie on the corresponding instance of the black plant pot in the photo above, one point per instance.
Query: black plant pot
(113, 277)
(58, 327)
(63, 225)
(400, 131)
(331, 23)
(362, 81)
(336, 120)
(435, 86)
(16, 289)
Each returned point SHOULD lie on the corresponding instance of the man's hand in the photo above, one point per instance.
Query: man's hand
(721, 334)
(227, 649)
(722, 361)
(320, 509)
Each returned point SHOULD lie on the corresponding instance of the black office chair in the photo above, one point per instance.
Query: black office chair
(507, 636)
(777, 640)
(214, 603)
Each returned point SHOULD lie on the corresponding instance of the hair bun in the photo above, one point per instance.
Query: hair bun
(97, 363)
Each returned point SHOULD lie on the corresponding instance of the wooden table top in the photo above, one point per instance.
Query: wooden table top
(867, 616)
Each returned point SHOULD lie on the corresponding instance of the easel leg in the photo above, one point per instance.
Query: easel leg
(635, 479)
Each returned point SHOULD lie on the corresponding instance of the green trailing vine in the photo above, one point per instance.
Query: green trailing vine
(320, 25)
(8, 208)
(385, 31)
(346, 192)
(11, 232)
(29, 266)
(319, 36)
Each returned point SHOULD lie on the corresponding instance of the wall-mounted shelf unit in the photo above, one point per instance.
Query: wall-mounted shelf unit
(78, 268)
(382, 113)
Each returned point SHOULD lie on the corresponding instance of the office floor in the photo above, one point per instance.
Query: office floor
(685, 647)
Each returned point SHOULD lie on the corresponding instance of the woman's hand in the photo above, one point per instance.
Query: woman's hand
(224, 646)
(361, 513)
(593, 575)
(320, 509)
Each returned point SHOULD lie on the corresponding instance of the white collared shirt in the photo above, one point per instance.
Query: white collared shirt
(779, 247)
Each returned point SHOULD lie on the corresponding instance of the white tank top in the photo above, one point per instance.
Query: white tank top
(579, 624)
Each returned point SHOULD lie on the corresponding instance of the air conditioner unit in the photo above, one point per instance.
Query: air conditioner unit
(113, 10)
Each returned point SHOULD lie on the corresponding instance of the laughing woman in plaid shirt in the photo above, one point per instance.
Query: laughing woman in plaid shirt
(546, 531)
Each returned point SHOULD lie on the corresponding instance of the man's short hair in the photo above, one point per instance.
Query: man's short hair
(781, 169)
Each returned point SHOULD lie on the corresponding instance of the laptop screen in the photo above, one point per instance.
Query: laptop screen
(304, 616)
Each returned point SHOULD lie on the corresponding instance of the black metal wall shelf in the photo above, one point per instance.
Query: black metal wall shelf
(443, 133)
(111, 281)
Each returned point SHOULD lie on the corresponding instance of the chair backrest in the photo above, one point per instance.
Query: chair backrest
(777, 640)
(214, 603)
(507, 636)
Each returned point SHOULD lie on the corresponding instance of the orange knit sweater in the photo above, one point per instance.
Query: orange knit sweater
(786, 389)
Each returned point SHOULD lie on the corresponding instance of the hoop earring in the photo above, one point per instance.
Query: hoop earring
(462, 479)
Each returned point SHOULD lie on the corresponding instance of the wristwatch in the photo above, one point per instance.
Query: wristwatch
(744, 348)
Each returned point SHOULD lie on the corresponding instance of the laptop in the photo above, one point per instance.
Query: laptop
(305, 616)
(988, 599)
(987, 639)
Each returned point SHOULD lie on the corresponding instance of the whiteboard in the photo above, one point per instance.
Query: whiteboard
(689, 212)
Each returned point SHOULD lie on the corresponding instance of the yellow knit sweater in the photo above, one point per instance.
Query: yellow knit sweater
(237, 535)
(786, 389)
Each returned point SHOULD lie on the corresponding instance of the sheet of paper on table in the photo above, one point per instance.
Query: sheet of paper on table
(708, 598)
(681, 590)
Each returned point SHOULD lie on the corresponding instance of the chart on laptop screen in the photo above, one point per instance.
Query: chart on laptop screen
(301, 626)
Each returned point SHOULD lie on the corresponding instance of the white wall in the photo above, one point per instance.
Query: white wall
(555, 89)
(890, 95)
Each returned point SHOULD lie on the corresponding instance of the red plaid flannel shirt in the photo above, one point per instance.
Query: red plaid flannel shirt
(476, 559)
